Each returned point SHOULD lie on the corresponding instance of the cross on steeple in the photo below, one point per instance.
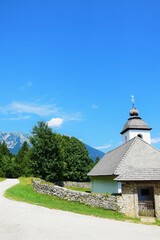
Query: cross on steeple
(132, 100)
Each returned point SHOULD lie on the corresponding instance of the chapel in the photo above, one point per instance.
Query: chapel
(132, 169)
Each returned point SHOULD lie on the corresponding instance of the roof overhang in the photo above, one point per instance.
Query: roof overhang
(134, 128)
(140, 175)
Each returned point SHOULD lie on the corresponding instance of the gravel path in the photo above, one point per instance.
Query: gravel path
(22, 221)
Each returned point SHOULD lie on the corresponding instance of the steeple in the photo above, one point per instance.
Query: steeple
(135, 126)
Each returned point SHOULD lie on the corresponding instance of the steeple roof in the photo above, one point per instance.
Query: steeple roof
(134, 157)
(135, 122)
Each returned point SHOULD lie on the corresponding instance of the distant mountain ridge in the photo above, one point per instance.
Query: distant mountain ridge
(15, 140)
(94, 153)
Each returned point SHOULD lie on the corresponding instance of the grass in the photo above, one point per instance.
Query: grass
(2, 179)
(157, 222)
(24, 192)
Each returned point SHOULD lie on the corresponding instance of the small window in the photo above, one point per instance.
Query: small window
(140, 136)
(125, 139)
(145, 192)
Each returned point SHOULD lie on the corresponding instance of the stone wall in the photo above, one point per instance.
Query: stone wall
(77, 184)
(157, 200)
(128, 202)
(96, 200)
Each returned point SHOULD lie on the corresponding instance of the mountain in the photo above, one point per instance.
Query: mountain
(15, 140)
(94, 153)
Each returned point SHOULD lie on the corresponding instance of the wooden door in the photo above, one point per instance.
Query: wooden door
(146, 201)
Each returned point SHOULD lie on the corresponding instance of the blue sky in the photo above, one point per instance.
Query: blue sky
(75, 64)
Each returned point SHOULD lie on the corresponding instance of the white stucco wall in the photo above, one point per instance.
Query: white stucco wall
(105, 185)
(119, 187)
(133, 133)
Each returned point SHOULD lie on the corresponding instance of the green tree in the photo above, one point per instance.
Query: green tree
(22, 164)
(6, 161)
(4, 150)
(8, 166)
(97, 160)
(45, 154)
(77, 162)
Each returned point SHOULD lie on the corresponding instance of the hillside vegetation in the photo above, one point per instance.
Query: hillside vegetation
(52, 157)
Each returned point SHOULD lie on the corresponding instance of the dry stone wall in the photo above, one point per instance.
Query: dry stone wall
(96, 200)
(127, 203)
(77, 184)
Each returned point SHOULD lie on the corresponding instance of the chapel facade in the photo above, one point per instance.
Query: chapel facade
(131, 170)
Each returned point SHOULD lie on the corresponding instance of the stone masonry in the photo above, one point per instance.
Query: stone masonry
(127, 203)
(96, 200)
(77, 184)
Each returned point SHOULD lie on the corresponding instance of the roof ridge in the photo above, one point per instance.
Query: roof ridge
(120, 163)
(119, 146)
(115, 148)
(148, 143)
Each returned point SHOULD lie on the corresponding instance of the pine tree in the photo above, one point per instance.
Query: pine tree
(6, 161)
(22, 165)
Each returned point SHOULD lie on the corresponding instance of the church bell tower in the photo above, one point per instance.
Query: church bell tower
(135, 126)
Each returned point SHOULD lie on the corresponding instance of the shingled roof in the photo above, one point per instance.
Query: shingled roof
(135, 155)
(110, 161)
(135, 122)
(149, 174)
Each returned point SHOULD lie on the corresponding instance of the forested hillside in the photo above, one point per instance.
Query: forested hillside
(15, 140)
(53, 157)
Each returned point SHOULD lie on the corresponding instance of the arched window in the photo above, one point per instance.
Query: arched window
(140, 136)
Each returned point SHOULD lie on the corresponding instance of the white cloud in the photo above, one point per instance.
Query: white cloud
(18, 118)
(155, 140)
(20, 110)
(55, 122)
(94, 106)
(103, 147)
(41, 110)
